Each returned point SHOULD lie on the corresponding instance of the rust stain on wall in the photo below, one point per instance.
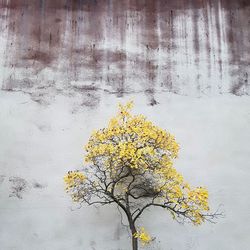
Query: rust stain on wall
(190, 47)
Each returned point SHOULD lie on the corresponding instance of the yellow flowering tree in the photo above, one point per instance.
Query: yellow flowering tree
(130, 163)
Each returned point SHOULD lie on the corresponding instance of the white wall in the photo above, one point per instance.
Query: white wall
(40, 144)
(49, 106)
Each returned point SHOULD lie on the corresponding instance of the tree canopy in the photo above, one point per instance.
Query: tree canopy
(130, 163)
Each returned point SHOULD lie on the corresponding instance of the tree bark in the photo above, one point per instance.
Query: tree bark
(134, 243)
(133, 231)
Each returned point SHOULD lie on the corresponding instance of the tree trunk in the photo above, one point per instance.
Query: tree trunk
(134, 243)
(133, 231)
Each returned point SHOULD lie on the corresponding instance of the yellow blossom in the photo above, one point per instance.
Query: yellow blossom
(72, 180)
(143, 236)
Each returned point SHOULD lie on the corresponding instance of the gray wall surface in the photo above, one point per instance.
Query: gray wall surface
(64, 65)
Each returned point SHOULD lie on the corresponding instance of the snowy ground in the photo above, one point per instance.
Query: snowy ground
(40, 143)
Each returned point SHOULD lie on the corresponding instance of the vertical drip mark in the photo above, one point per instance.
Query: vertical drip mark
(235, 47)
(138, 61)
(96, 39)
(196, 45)
(184, 22)
(171, 50)
(224, 51)
(214, 44)
(167, 47)
(73, 41)
(218, 35)
(206, 15)
(41, 22)
(24, 22)
(122, 26)
(159, 49)
(152, 45)
(67, 44)
(4, 55)
(8, 58)
(108, 29)
(195, 20)
(231, 33)
(42, 7)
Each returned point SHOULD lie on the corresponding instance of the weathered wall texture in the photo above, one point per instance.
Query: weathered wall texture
(63, 67)
(197, 47)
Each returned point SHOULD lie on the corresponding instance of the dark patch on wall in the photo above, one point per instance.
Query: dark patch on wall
(38, 185)
(93, 245)
(17, 85)
(38, 56)
(18, 187)
(242, 87)
(90, 99)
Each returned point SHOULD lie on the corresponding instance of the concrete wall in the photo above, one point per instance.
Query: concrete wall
(64, 65)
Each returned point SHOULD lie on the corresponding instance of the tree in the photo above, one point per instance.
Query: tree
(130, 163)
